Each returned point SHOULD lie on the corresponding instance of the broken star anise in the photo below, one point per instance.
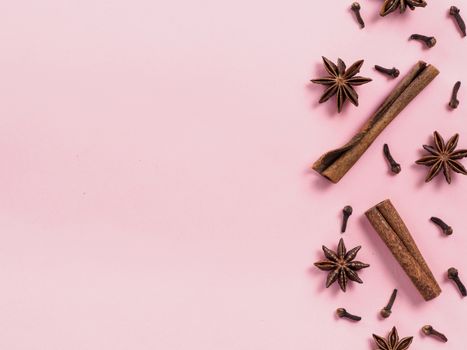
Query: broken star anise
(392, 5)
(443, 156)
(340, 82)
(341, 265)
(392, 342)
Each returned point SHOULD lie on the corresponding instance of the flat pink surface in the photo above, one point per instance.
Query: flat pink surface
(155, 191)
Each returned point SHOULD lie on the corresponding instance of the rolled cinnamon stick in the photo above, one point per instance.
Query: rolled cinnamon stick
(389, 225)
(334, 164)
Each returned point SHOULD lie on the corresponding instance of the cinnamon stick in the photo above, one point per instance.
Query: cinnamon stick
(334, 164)
(391, 228)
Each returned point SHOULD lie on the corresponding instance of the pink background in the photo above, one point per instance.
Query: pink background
(155, 191)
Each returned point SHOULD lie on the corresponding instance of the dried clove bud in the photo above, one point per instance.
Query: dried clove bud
(392, 72)
(455, 12)
(447, 230)
(356, 9)
(342, 313)
(429, 41)
(453, 274)
(346, 212)
(387, 310)
(454, 102)
(395, 167)
(429, 330)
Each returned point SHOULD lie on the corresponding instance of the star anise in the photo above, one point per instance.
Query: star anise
(392, 342)
(340, 82)
(443, 156)
(341, 265)
(392, 5)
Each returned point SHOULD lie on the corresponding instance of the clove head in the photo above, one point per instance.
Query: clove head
(429, 330)
(454, 10)
(385, 313)
(341, 312)
(356, 6)
(453, 273)
(347, 210)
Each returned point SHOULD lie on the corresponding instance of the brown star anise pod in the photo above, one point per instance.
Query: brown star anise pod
(341, 265)
(393, 342)
(392, 5)
(443, 156)
(340, 82)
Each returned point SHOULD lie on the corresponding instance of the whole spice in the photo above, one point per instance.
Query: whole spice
(447, 230)
(341, 265)
(453, 275)
(392, 72)
(387, 310)
(391, 228)
(443, 156)
(356, 9)
(346, 212)
(429, 41)
(342, 313)
(392, 342)
(340, 82)
(334, 164)
(454, 102)
(429, 330)
(395, 167)
(392, 5)
(455, 12)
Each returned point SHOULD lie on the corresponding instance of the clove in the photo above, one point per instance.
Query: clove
(346, 212)
(395, 167)
(455, 12)
(356, 9)
(429, 330)
(453, 274)
(387, 310)
(429, 41)
(392, 72)
(447, 230)
(342, 313)
(454, 102)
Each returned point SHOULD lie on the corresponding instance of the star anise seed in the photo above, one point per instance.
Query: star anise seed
(443, 157)
(340, 82)
(341, 265)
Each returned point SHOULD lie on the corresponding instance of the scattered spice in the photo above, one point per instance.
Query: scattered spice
(356, 9)
(333, 165)
(392, 72)
(341, 265)
(392, 342)
(454, 102)
(340, 82)
(443, 156)
(387, 310)
(392, 5)
(455, 12)
(346, 212)
(342, 313)
(429, 41)
(429, 330)
(447, 230)
(392, 230)
(395, 167)
(453, 275)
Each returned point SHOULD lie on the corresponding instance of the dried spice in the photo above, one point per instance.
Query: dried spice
(447, 230)
(429, 41)
(454, 102)
(392, 72)
(392, 342)
(356, 9)
(455, 12)
(341, 265)
(453, 275)
(346, 212)
(443, 156)
(392, 5)
(387, 310)
(333, 165)
(392, 230)
(429, 330)
(342, 313)
(395, 167)
(340, 82)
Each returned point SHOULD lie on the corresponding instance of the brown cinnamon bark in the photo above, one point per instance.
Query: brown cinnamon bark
(335, 164)
(389, 225)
